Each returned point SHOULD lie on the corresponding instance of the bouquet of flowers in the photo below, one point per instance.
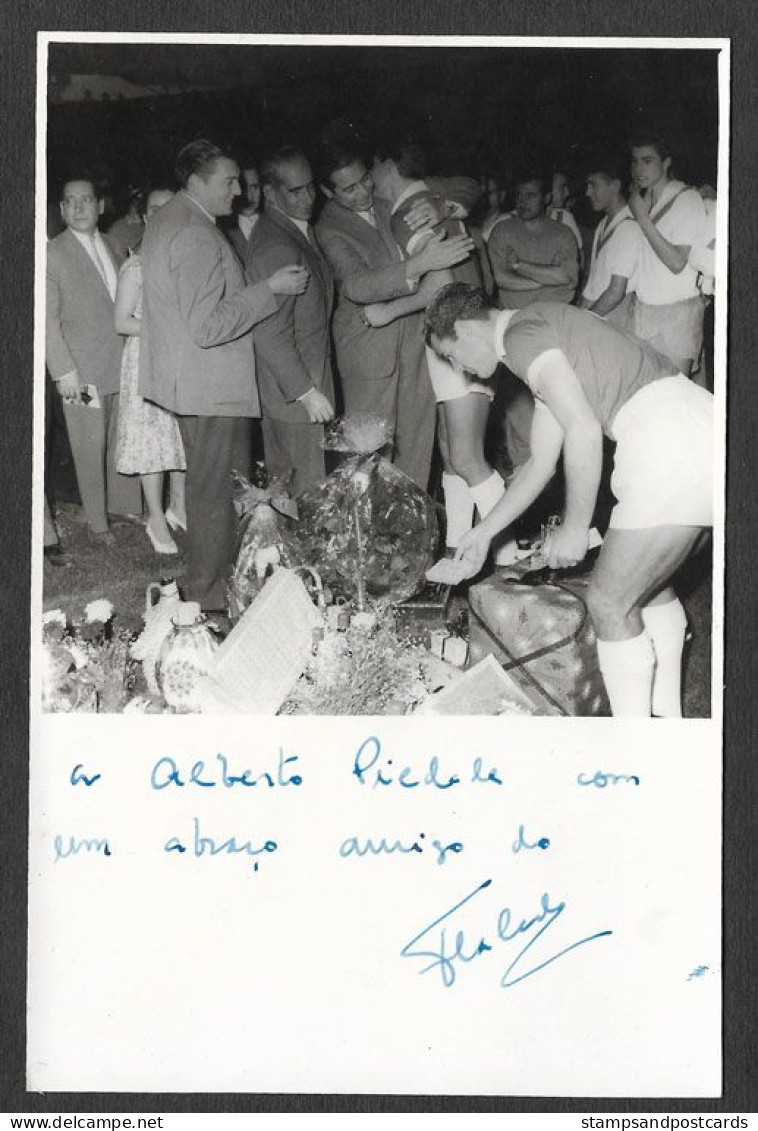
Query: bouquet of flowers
(266, 539)
(85, 664)
(368, 529)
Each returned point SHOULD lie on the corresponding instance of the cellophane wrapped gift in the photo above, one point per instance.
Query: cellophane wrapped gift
(266, 538)
(543, 637)
(368, 529)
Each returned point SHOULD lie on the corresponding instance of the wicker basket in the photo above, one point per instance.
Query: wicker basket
(266, 652)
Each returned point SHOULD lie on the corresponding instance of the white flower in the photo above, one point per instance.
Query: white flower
(98, 612)
(79, 656)
(55, 616)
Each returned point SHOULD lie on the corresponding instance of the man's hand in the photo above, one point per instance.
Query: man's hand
(566, 546)
(426, 214)
(511, 258)
(377, 314)
(639, 205)
(440, 253)
(472, 549)
(290, 280)
(70, 388)
(318, 407)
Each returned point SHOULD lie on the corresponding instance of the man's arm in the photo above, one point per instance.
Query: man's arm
(610, 298)
(357, 281)
(563, 271)
(528, 483)
(213, 316)
(673, 256)
(555, 382)
(275, 339)
(60, 363)
(502, 255)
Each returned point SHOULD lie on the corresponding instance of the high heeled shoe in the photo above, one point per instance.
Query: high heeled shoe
(176, 523)
(169, 547)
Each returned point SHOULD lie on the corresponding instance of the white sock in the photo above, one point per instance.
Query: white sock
(459, 508)
(666, 626)
(627, 667)
(487, 494)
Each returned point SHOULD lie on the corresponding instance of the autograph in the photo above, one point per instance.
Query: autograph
(459, 950)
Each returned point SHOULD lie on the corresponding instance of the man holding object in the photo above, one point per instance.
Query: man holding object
(589, 378)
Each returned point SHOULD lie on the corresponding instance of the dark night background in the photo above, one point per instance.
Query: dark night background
(479, 110)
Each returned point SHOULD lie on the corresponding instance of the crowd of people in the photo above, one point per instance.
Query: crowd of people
(298, 286)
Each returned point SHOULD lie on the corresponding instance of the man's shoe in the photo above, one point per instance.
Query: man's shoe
(56, 555)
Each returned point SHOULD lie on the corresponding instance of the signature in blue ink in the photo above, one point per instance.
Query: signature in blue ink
(601, 780)
(382, 846)
(369, 769)
(446, 950)
(698, 972)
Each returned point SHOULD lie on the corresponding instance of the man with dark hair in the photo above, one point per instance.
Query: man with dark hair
(668, 307)
(83, 353)
(590, 379)
(616, 247)
(534, 258)
(196, 353)
(382, 368)
(293, 348)
(247, 210)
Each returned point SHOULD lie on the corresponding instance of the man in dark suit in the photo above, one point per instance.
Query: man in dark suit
(247, 212)
(83, 353)
(196, 354)
(382, 368)
(292, 348)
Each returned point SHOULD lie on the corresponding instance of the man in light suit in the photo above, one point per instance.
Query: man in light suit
(382, 368)
(196, 354)
(83, 354)
(292, 348)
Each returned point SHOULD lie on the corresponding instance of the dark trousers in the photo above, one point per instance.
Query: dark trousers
(214, 446)
(92, 436)
(293, 452)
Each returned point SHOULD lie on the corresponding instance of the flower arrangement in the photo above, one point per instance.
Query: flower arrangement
(85, 663)
(367, 672)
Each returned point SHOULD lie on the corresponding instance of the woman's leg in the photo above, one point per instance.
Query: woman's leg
(152, 487)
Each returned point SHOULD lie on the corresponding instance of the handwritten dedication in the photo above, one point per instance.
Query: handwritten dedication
(490, 906)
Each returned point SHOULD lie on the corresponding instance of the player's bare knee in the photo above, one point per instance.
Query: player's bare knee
(609, 610)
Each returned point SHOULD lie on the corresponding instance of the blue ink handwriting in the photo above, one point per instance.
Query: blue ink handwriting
(78, 775)
(93, 844)
(522, 842)
(366, 846)
(698, 972)
(205, 845)
(166, 772)
(461, 950)
(601, 780)
(384, 774)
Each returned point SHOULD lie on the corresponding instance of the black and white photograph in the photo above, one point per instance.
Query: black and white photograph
(294, 321)
(377, 616)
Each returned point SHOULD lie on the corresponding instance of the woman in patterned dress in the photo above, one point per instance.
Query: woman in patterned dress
(149, 442)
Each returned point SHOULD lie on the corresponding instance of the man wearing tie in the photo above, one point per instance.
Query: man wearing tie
(238, 227)
(292, 348)
(83, 354)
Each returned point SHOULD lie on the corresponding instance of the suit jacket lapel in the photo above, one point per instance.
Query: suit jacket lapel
(85, 260)
(316, 259)
(383, 211)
